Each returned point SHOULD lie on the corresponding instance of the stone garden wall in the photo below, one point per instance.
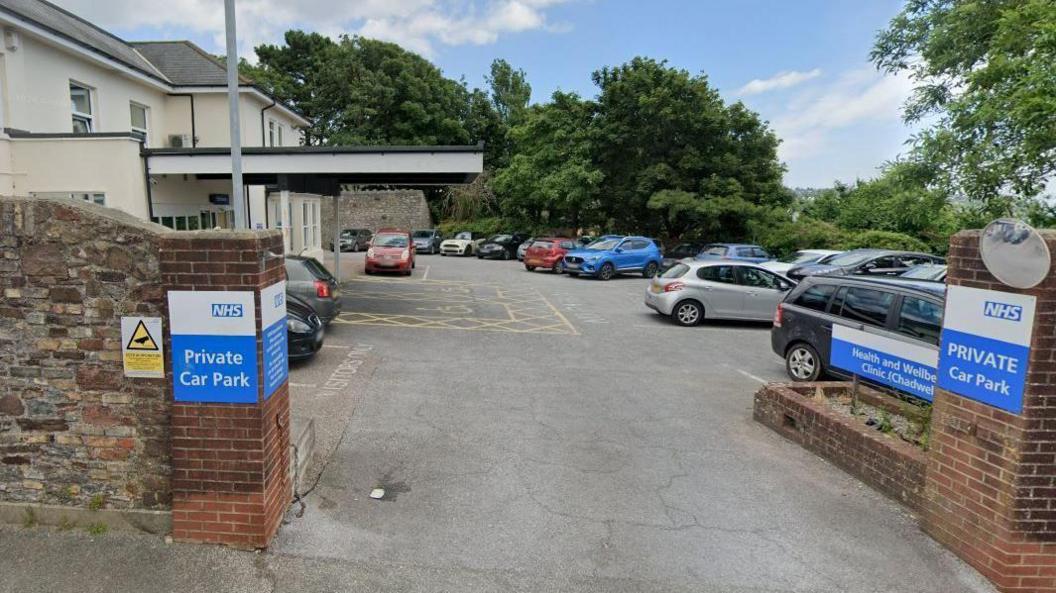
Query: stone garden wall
(73, 430)
(406, 209)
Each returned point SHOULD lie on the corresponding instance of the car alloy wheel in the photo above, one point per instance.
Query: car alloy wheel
(606, 272)
(650, 270)
(529, 268)
(802, 363)
(687, 313)
(559, 267)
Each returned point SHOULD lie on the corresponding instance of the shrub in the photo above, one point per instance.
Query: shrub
(806, 233)
(882, 240)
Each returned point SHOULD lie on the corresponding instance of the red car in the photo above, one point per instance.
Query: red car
(548, 253)
(391, 250)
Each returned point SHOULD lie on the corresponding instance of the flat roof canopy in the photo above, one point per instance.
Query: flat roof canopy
(307, 166)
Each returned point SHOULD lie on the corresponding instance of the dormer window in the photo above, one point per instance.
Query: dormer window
(81, 105)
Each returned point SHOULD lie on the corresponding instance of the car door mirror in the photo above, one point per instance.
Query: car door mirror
(618, 250)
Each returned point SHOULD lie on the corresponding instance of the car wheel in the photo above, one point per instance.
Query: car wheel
(606, 272)
(687, 313)
(559, 266)
(529, 268)
(650, 270)
(803, 363)
(466, 252)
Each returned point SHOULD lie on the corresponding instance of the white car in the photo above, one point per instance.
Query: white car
(464, 244)
(799, 258)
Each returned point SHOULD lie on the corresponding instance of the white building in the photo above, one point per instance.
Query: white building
(143, 127)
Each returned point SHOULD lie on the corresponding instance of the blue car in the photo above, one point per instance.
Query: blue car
(735, 251)
(609, 256)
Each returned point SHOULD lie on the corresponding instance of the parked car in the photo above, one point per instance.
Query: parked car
(906, 310)
(310, 282)
(523, 248)
(678, 253)
(800, 258)
(734, 251)
(463, 243)
(353, 240)
(304, 329)
(872, 262)
(392, 250)
(548, 253)
(502, 246)
(427, 241)
(929, 272)
(606, 258)
(693, 291)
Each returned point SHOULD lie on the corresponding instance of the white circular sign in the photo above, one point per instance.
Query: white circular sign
(1015, 253)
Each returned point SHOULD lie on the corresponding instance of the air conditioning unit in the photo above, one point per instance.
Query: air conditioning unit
(180, 141)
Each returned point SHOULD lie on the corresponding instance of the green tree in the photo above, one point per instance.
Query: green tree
(552, 171)
(674, 157)
(510, 92)
(985, 70)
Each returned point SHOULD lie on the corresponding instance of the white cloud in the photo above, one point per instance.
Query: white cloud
(781, 80)
(418, 25)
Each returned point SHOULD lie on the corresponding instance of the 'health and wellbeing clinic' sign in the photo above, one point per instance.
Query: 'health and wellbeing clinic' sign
(986, 345)
(905, 366)
(214, 346)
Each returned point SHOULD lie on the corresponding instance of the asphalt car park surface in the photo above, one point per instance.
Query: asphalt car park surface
(538, 432)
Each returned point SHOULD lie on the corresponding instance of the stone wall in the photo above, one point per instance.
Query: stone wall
(406, 209)
(73, 430)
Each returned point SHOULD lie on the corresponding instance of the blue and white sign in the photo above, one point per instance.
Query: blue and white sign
(214, 346)
(273, 320)
(986, 345)
(905, 366)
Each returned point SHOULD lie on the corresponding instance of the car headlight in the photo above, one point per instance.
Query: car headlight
(406, 254)
(297, 326)
(370, 252)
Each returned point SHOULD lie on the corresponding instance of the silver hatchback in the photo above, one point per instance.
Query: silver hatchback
(690, 292)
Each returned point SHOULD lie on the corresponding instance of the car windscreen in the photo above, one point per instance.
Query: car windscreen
(851, 258)
(925, 272)
(390, 240)
(676, 271)
(714, 250)
(499, 239)
(604, 245)
(464, 236)
(423, 234)
(300, 270)
(800, 258)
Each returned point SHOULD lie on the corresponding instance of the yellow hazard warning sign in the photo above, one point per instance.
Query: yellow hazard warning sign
(141, 347)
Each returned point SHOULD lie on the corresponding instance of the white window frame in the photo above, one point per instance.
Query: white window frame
(88, 118)
(144, 131)
(271, 132)
(280, 127)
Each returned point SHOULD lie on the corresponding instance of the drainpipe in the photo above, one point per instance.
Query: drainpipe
(194, 130)
(263, 128)
(150, 191)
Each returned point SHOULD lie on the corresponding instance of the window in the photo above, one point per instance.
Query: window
(637, 244)
(816, 297)
(139, 121)
(310, 224)
(568, 245)
(271, 132)
(719, 250)
(280, 134)
(920, 319)
(93, 197)
(865, 305)
(676, 271)
(81, 105)
(757, 278)
(723, 274)
(744, 252)
(757, 252)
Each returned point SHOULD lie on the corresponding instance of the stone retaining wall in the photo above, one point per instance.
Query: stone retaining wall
(73, 430)
(889, 465)
(404, 208)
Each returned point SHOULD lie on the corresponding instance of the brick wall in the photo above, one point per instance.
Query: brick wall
(230, 480)
(991, 479)
(889, 465)
(73, 430)
(406, 209)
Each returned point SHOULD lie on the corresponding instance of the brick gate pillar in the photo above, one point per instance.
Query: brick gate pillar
(991, 478)
(230, 461)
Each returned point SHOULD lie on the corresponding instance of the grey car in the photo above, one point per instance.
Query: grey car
(427, 241)
(353, 240)
(310, 282)
(693, 291)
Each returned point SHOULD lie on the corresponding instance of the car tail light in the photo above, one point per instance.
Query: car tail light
(778, 313)
(322, 289)
(674, 287)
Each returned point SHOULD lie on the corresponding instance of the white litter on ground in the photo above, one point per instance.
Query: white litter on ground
(377, 493)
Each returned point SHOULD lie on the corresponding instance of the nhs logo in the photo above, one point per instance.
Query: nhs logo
(227, 310)
(1003, 311)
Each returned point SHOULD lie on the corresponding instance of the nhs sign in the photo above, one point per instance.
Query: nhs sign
(227, 310)
(986, 345)
(1003, 311)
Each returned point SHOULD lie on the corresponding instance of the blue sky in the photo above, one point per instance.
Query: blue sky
(803, 64)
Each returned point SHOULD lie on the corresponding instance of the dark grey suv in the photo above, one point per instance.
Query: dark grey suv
(907, 310)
